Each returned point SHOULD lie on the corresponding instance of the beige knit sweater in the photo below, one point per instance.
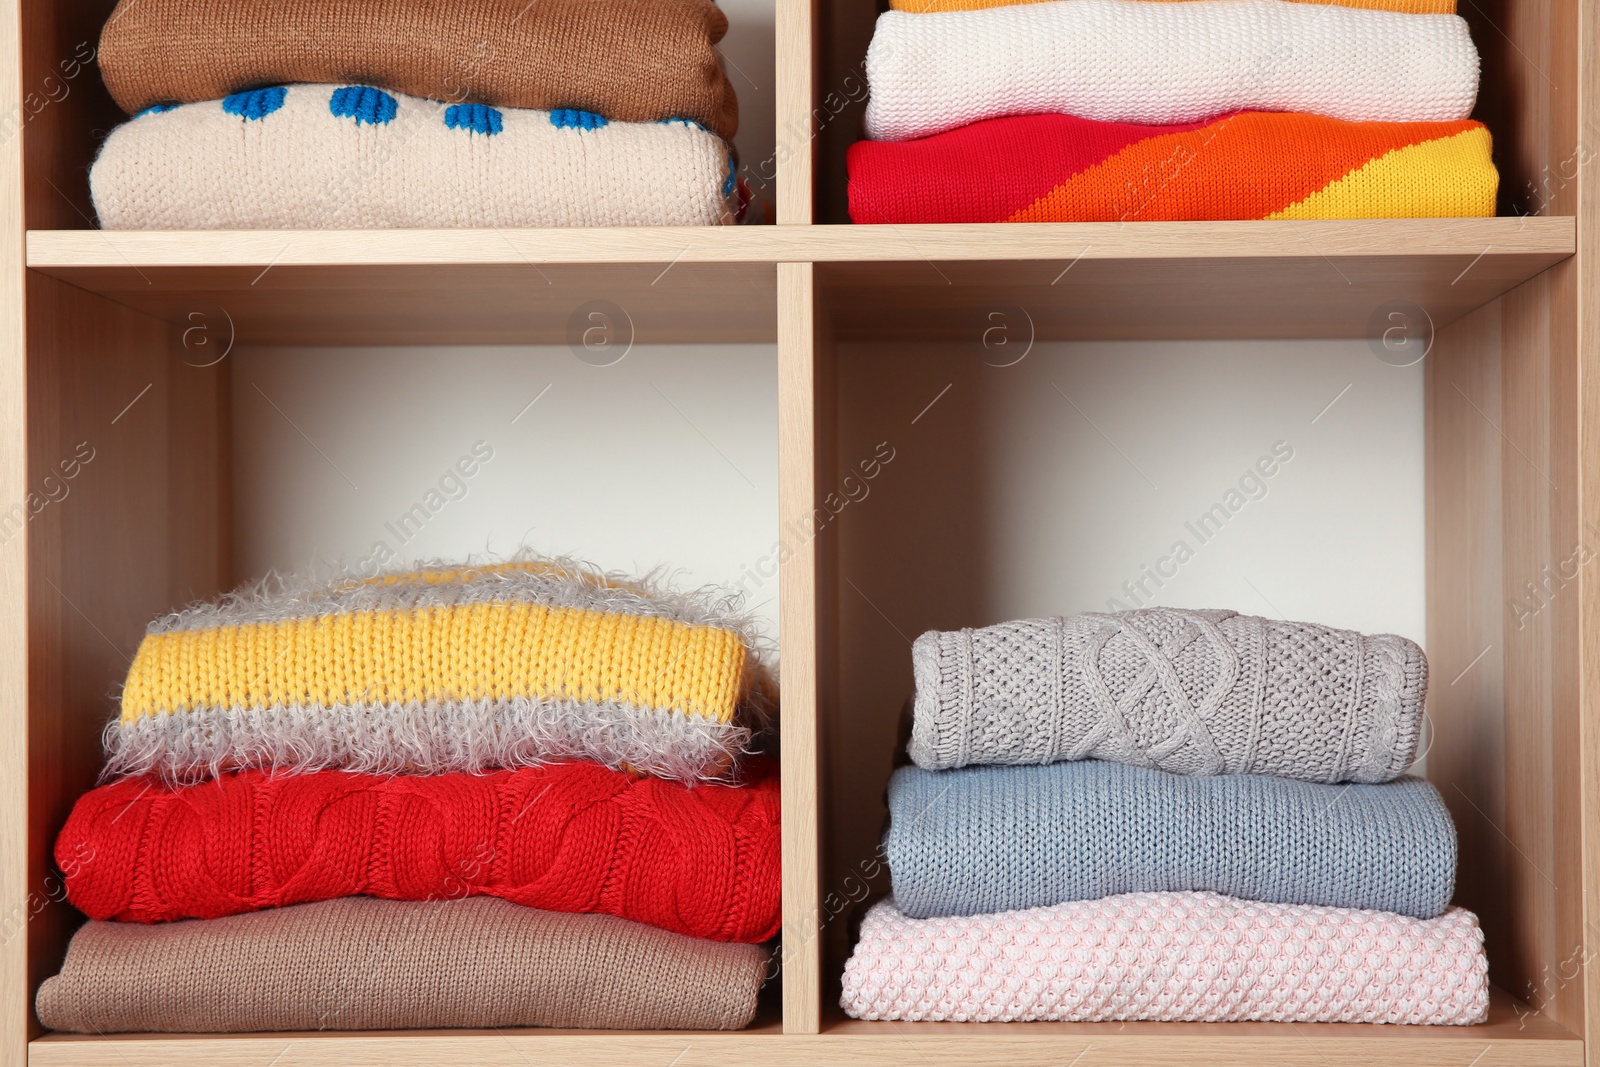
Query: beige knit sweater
(361, 964)
(629, 60)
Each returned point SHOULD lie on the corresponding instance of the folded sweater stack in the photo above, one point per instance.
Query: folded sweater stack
(1167, 815)
(1152, 110)
(547, 778)
(339, 113)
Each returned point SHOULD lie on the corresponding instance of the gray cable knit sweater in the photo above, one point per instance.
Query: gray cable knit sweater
(1190, 692)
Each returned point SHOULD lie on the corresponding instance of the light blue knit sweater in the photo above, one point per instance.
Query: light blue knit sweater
(987, 839)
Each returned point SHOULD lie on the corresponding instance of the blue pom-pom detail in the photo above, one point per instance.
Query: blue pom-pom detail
(374, 107)
(727, 185)
(478, 118)
(255, 103)
(155, 109)
(568, 118)
(686, 123)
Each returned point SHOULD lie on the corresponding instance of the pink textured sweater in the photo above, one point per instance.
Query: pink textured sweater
(1172, 957)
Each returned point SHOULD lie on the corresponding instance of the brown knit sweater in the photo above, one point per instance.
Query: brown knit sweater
(629, 60)
(361, 964)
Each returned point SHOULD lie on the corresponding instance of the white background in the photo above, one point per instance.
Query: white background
(668, 458)
(1031, 506)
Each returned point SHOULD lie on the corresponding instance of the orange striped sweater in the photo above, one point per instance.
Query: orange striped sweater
(1252, 165)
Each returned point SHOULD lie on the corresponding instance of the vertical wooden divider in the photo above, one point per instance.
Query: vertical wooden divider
(14, 1013)
(1586, 266)
(795, 24)
(797, 614)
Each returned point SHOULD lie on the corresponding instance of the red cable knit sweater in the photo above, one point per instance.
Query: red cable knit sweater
(571, 837)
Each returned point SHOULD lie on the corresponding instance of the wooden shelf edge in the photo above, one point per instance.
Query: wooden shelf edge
(1513, 1036)
(1547, 238)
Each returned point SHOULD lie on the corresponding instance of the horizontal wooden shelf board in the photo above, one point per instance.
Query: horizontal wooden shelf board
(1180, 280)
(577, 304)
(1179, 299)
(1513, 1037)
(1290, 280)
(1532, 235)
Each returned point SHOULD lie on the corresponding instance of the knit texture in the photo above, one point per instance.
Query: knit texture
(986, 839)
(1410, 7)
(1170, 957)
(361, 964)
(629, 60)
(1254, 165)
(447, 669)
(1161, 63)
(330, 157)
(1190, 692)
(572, 837)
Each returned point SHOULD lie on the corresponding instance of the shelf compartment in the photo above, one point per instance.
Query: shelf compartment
(1513, 1036)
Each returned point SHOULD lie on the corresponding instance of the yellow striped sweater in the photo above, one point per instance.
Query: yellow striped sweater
(445, 669)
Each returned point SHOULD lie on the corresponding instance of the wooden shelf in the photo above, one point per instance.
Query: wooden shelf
(1545, 238)
(1512, 1036)
(1197, 280)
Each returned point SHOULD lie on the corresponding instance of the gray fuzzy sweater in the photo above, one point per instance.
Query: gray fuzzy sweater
(1190, 692)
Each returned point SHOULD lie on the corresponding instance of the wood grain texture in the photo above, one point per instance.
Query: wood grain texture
(124, 519)
(1424, 239)
(1466, 612)
(1533, 57)
(835, 895)
(15, 853)
(423, 305)
(797, 629)
(1531, 52)
(1165, 298)
(1510, 560)
(1540, 488)
(1167, 281)
(843, 33)
(64, 110)
(793, 161)
(1505, 1041)
(1528, 98)
(1585, 199)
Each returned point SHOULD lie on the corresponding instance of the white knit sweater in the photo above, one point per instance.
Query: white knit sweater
(329, 157)
(1127, 61)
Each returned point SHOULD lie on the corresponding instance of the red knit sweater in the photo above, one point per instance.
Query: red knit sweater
(573, 837)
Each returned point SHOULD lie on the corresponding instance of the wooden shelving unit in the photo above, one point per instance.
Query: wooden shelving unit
(88, 319)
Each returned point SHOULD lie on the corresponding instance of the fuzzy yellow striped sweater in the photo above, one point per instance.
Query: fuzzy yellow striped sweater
(445, 669)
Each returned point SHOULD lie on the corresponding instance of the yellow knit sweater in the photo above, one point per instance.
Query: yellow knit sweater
(458, 668)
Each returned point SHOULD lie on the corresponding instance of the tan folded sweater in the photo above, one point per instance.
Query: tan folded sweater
(629, 60)
(362, 964)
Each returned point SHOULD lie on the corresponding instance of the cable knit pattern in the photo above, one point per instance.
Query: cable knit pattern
(1163, 63)
(1191, 692)
(1170, 957)
(630, 60)
(362, 964)
(308, 157)
(986, 839)
(571, 837)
